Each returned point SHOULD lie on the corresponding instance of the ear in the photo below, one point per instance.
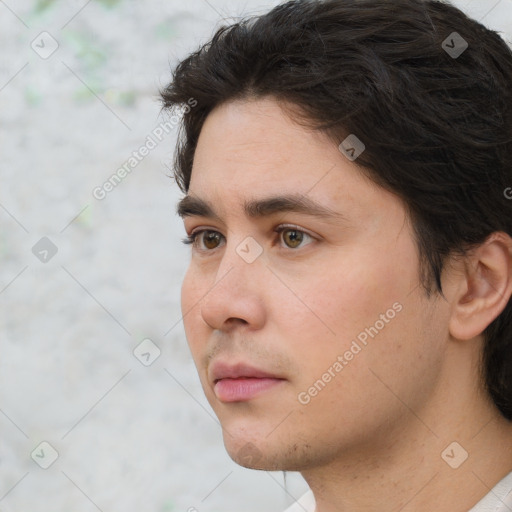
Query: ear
(484, 288)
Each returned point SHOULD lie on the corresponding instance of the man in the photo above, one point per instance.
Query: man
(347, 167)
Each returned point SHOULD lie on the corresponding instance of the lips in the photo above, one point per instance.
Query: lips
(240, 382)
(220, 370)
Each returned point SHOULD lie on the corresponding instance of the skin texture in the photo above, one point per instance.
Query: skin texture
(373, 436)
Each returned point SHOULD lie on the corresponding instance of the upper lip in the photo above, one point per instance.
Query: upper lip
(222, 370)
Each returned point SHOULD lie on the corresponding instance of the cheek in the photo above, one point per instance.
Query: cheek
(384, 346)
(349, 291)
(191, 294)
(187, 292)
(357, 305)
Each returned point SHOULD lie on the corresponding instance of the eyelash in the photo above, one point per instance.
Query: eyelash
(192, 238)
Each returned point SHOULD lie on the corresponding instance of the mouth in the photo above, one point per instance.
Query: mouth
(241, 382)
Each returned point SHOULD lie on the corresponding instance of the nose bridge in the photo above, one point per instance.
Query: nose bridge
(235, 294)
(239, 261)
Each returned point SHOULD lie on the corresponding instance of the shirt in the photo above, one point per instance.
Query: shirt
(498, 499)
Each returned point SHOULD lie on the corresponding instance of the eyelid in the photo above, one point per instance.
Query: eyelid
(198, 229)
(279, 227)
(282, 227)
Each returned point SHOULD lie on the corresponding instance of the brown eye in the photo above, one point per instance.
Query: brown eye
(293, 238)
(211, 239)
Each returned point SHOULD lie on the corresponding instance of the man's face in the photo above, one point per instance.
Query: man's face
(330, 310)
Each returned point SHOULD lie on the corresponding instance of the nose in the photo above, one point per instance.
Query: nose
(236, 296)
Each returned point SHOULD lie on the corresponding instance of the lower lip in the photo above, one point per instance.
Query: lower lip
(240, 390)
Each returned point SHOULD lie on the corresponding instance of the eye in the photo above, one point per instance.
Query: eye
(292, 236)
(211, 240)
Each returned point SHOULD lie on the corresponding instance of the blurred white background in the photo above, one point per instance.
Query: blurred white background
(129, 437)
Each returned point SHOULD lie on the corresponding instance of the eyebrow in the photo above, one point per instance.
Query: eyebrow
(191, 206)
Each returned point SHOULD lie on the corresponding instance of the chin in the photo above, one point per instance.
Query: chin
(261, 456)
(248, 455)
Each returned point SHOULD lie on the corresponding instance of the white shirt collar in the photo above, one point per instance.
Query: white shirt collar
(498, 499)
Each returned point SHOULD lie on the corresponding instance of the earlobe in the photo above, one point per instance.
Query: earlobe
(485, 288)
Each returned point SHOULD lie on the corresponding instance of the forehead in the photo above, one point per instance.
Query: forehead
(254, 145)
(252, 151)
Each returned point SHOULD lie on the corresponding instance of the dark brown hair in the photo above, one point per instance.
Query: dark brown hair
(436, 123)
